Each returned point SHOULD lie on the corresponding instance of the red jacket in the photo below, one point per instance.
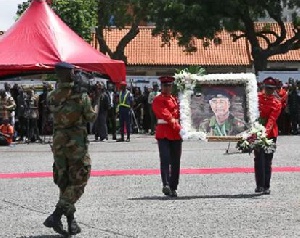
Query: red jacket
(166, 108)
(282, 93)
(8, 130)
(269, 108)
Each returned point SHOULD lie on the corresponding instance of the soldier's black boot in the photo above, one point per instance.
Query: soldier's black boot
(73, 227)
(54, 221)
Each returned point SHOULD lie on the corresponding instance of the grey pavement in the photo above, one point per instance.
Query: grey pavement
(209, 205)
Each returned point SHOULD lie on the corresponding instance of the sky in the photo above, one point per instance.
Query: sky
(8, 9)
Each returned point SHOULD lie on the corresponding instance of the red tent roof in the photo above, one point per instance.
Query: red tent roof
(39, 39)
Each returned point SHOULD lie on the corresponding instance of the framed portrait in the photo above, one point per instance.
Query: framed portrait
(217, 107)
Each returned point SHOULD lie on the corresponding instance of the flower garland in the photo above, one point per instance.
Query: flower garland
(256, 138)
(186, 82)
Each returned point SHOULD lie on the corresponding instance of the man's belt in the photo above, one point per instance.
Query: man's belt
(162, 121)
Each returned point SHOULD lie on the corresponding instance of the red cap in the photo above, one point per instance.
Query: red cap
(270, 82)
(166, 79)
(123, 83)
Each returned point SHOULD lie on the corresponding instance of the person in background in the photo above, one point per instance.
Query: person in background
(111, 117)
(7, 106)
(151, 97)
(21, 115)
(146, 111)
(283, 119)
(103, 105)
(125, 104)
(168, 129)
(32, 116)
(12, 114)
(43, 109)
(294, 107)
(6, 133)
(138, 107)
(269, 109)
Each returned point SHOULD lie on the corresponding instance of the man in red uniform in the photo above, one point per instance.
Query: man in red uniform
(269, 108)
(167, 134)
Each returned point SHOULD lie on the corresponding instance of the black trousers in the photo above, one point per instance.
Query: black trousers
(125, 119)
(263, 168)
(170, 154)
(22, 126)
(111, 121)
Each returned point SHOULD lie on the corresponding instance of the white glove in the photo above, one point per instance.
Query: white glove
(182, 134)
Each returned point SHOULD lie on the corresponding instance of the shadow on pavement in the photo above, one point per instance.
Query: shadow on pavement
(42, 236)
(238, 196)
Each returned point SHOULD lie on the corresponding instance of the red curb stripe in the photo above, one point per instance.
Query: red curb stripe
(99, 173)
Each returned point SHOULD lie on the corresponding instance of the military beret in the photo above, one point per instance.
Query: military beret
(166, 79)
(219, 93)
(64, 65)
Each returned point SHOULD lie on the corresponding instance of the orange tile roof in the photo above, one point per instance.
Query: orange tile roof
(292, 55)
(145, 49)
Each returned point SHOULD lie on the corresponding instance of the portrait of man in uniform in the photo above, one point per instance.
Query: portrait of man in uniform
(223, 111)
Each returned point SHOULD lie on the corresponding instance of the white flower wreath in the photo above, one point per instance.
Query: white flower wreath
(256, 138)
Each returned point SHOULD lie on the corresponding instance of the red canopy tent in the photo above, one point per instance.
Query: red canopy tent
(39, 39)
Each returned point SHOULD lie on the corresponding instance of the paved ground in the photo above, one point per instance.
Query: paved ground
(217, 201)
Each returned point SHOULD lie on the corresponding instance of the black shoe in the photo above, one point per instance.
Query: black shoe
(173, 193)
(166, 190)
(114, 137)
(267, 191)
(55, 223)
(73, 227)
(259, 190)
(120, 140)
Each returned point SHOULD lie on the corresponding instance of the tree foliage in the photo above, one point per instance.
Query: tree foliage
(186, 20)
(120, 14)
(79, 15)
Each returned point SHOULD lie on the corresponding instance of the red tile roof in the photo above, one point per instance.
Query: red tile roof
(145, 49)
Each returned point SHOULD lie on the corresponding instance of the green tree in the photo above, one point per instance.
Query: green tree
(79, 15)
(119, 14)
(186, 20)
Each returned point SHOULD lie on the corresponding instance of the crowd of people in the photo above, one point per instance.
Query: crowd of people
(26, 110)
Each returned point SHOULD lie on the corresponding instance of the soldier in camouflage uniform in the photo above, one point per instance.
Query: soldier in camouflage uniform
(71, 110)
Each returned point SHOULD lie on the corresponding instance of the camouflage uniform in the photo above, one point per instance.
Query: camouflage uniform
(231, 127)
(72, 163)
